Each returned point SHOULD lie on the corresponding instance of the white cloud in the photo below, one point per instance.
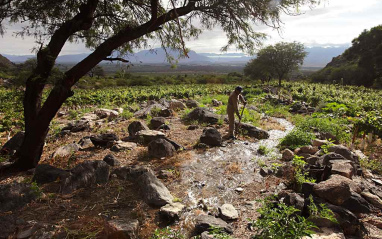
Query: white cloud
(333, 22)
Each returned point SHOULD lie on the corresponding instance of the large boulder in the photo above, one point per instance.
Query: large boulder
(146, 136)
(136, 126)
(287, 155)
(161, 148)
(373, 199)
(153, 190)
(252, 131)
(308, 149)
(123, 229)
(66, 150)
(176, 105)
(228, 212)
(357, 204)
(45, 173)
(211, 137)
(156, 122)
(206, 222)
(203, 115)
(106, 113)
(78, 126)
(15, 196)
(130, 173)
(349, 222)
(192, 103)
(12, 145)
(342, 167)
(104, 140)
(86, 174)
(334, 190)
(171, 211)
(345, 152)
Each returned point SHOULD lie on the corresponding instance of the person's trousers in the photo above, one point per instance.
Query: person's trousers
(231, 120)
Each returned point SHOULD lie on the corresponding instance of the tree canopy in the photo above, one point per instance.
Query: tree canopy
(277, 60)
(108, 26)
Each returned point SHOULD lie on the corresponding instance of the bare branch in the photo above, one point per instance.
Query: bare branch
(116, 59)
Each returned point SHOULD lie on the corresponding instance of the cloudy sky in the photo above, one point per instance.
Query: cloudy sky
(332, 23)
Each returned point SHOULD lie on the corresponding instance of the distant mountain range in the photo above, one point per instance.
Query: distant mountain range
(317, 57)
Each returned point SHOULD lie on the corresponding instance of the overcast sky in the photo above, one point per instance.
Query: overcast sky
(333, 23)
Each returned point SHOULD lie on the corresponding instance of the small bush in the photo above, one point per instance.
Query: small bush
(263, 150)
(297, 138)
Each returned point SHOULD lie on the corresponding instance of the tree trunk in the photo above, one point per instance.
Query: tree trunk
(280, 78)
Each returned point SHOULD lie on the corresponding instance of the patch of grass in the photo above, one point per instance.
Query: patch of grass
(167, 233)
(126, 115)
(263, 150)
(375, 165)
(297, 138)
(36, 189)
(279, 221)
(218, 233)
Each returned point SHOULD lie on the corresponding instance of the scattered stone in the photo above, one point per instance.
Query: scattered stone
(285, 171)
(136, 126)
(373, 199)
(122, 146)
(130, 173)
(307, 189)
(86, 174)
(166, 113)
(294, 199)
(156, 122)
(227, 212)
(334, 190)
(89, 117)
(375, 221)
(171, 211)
(342, 167)
(153, 110)
(176, 105)
(119, 110)
(192, 127)
(265, 171)
(12, 145)
(347, 220)
(106, 113)
(104, 140)
(15, 196)
(146, 136)
(206, 235)
(61, 113)
(357, 204)
(308, 149)
(165, 174)
(252, 131)
(216, 103)
(313, 160)
(354, 186)
(78, 126)
(287, 155)
(203, 115)
(154, 191)
(345, 152)
(205, 222)
(377, 181)
(211, 137)
(161, 148)
(111, 160)
(325, 159)
(326, 233)
(164, 127)
(192, 103)
(164, 102)
(66, 150)
(85, 142)
(64, 133)
(239, 190)
(319, 142)
(45, 173)
(123, 229)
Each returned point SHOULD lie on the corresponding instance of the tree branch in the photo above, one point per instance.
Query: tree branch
(116, 59)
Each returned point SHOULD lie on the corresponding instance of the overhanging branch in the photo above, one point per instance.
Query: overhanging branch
(116, 59)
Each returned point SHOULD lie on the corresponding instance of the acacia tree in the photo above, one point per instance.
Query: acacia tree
(120, 25)
(257, 69)
(282, 58)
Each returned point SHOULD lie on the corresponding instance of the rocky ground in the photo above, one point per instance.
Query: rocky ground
(105, 177)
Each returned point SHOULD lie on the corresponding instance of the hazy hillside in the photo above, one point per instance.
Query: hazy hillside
(5, 63)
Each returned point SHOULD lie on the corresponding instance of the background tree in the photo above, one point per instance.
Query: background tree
(281, 59)
(97, 71)
(108, 26)
(258, 70)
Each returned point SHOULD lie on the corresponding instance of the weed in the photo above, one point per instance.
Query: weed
(275, 166)
(155, 111)
(36, 189)
(297, 138)
(218, 233)
(375, 165)
(263, 150)
(176, 199)
(321, 211)
(325, 147)
(280, 221)
(126, 115)
(167, 233)
(300, 176)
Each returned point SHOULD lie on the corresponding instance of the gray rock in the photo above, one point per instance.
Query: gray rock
(252, 131)
(192, 103)
(130, 173)
(308, 149)
(227, 212)
(354, 186)
(111, 160)
(153, 110)
(325, 159)
(347, 220)
(66, 150)
(164, 127)
(89, 117)
(171, 211)
(85, 142)
(176, 105)
(313, 160)
(123, 146)
(211, 137)
(294, 199)
(78, 126)
(192, 127)
(136, 126)
(345, 152)
(104, 140)
(203, 115)
(205, 222)
(156, 122)
(12, 145)
(86, 174)
(373, 199)
(319, 142)
(154, 191)
(216, 103)
(106, 113)
(342, 167)
(146, 136)
(161, 148)
(15, 196)
(166, 113)
(164, 102)
(45, 173)
(121, 228)
(287, 155)
(335, 190)
(357, 204)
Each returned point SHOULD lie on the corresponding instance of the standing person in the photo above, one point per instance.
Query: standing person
(233, 107)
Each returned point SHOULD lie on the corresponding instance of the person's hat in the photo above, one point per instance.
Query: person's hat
(239, 88)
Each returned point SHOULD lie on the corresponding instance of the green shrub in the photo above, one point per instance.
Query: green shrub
(263, 150)
(297, 138)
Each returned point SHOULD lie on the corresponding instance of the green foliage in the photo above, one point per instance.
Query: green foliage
(300, 176)
(263, 150)
(36, 189)
(337, 110)
(321, 211)
(325, 147)
(297, 138)
(218, 233)
(375, 165)
(279, 221)
(167, 233)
